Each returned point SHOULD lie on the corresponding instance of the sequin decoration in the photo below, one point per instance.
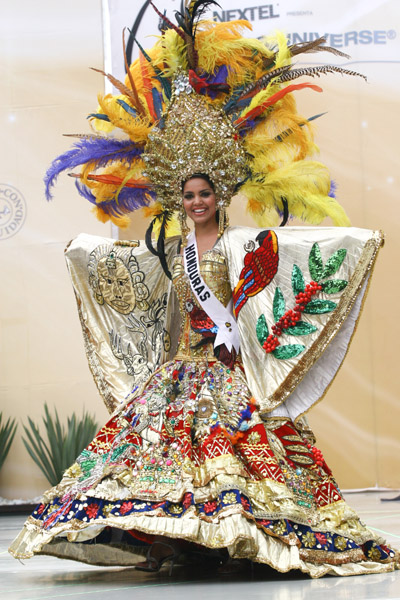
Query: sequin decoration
(334, 286)
(288, 351)
(297, 280)
(315, 264)
(333, 263)
(278, 305)
(262, 329)
(196, 138)
(288, 321)
(319, 307)
(260, 267)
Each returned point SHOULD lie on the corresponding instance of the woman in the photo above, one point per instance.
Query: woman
(191, 459)
(212, 446)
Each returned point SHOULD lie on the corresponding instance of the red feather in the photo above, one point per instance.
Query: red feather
(147, 86)
(201, 85)
(255, 112)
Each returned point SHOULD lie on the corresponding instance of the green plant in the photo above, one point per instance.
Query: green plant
(7, 433)
(62, 447)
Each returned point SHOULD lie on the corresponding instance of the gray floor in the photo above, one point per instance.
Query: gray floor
(44, 577)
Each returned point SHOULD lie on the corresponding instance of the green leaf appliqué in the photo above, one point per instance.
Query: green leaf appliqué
(288, 351)
(333, 263)
(301, 328)
(298, 284)
(262, 329)
(279, 305)
(315, 264)
(334, 286)
(318, 307)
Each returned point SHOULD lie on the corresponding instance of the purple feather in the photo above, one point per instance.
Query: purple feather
(217, 78)
(250, 124)
(102, 151)
(220, 75)
(332, 191)
(129, 199)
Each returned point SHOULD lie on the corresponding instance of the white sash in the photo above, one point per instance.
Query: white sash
(222, 316)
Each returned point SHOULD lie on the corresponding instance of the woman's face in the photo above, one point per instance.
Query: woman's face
(199, 201)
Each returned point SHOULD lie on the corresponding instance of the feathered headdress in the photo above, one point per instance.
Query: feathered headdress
(205, 99)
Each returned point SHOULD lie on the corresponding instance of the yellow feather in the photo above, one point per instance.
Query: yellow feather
(221, 43)
(137, 128)
(172, 52)
(305, 185)
(279, 39)
(102, 191)
(281, 137)
(122, 222)
(173, 226)
(149, 212)
(86, 170)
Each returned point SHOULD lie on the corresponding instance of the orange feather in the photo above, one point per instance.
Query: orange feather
(113, 180)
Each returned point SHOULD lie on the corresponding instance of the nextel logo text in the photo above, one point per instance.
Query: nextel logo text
(250, 13)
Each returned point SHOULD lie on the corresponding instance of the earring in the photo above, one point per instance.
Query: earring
(223, 221)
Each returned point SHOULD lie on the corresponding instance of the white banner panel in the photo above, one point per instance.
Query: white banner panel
(365, 29)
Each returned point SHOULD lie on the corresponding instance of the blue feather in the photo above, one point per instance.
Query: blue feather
(101, 151)
(157, 102)
(284, 134)
(127, 108)
(232, 100)
(129, 199)
(98, 116)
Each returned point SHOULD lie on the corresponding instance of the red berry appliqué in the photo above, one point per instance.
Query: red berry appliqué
(291, 316)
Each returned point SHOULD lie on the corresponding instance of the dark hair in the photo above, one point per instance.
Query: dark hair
(199, 176)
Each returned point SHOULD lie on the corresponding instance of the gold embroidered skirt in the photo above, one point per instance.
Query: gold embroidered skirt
(191, 458)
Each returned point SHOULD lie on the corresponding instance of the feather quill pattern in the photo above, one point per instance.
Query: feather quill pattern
(121, 87)
(137, 102)
(317, 45)
(110, 179)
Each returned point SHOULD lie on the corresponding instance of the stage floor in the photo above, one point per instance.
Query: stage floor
(45, 578)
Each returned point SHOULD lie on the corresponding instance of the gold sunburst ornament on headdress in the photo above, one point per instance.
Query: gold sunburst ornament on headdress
(206, 100)
(195, 137)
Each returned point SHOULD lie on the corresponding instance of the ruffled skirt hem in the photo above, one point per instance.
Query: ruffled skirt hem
(242, 538)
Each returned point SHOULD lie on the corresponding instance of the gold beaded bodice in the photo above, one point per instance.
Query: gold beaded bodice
(214, 271)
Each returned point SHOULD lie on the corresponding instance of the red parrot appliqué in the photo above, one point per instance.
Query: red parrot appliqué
(260, 267)
(201, 322)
